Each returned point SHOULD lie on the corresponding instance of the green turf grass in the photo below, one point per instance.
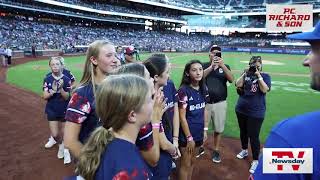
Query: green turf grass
(282, 102)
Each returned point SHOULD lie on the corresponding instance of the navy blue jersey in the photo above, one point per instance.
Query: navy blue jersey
(81, 110)
(194, 102)
(122, 160)
(253, 102)
(164, 167)
(171, 94)
(56, 104)
(67, 73)
(297, 132)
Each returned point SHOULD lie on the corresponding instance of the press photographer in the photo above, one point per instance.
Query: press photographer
(252, 87)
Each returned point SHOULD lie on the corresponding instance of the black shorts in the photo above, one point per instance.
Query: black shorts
(184, 144)
(60, 119)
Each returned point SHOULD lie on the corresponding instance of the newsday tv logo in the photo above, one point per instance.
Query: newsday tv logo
(287, 160)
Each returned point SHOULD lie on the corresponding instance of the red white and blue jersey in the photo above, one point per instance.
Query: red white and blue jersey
(56, 104)
(145, 137)
(122, 160)
(67, 73)
(81, 110)
(194, 101)
(297, 132)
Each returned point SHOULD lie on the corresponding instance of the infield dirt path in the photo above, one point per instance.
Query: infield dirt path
(24, 131)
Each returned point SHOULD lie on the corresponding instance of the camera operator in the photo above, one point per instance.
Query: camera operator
(252, 87)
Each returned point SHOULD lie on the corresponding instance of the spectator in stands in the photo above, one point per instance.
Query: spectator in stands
(253, 85)
(217, 75)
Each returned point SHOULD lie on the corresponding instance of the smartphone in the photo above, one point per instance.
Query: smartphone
(218, 54)
(215, 59)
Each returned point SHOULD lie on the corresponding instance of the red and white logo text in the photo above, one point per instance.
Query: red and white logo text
(287, 160)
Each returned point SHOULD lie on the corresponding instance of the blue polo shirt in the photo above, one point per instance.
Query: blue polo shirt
(297, 132)
(253, 102)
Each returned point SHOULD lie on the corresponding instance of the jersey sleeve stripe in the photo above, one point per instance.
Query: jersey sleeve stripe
(75, 110)
(145, 136)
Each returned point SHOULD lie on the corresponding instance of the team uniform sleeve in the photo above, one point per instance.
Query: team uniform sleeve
(267, 80)
(182, 99)
(274, 141)
(67, 85)
(161, 129)
(68, 73)
(144, 140)
(46, 86)
(72, 78)
(78, 109)
(175, 93)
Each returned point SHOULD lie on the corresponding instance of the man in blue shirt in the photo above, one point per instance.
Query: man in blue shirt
(300, 131)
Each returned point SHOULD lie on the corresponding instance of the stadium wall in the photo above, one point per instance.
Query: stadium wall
(266, 50)
(39, 53)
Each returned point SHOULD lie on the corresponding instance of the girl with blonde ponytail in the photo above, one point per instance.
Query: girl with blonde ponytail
(80, 116)
(110, 152)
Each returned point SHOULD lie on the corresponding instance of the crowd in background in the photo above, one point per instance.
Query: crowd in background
(121, 9)
(23, 34)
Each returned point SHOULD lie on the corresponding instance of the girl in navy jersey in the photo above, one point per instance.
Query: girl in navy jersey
(56, 90)
(65, 71)
(81, 117)
(110, 152)
(148, 137)
(193, 95)
(158, 67)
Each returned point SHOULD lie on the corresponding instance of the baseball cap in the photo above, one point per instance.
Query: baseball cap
(129, 50)
(215, 47)
(307, 36)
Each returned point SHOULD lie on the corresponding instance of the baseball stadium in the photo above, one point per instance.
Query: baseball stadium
(34, 33)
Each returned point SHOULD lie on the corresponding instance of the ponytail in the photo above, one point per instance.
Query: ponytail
(90, 155)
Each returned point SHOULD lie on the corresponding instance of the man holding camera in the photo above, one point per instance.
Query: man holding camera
(217, 74)
(252, 87)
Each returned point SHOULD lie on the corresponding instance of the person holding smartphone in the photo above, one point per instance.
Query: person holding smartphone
(217, 74)
(251, 108)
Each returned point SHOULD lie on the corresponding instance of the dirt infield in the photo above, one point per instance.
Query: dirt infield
(24, 131)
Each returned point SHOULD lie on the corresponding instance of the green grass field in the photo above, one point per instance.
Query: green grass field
(290, 93)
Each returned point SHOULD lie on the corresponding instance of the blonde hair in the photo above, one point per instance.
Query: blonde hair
(89, 70)
(114, 102)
